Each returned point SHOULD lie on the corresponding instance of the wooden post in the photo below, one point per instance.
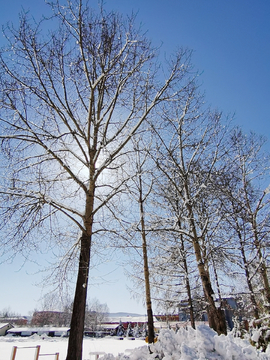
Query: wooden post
(56, 356)
(37, 352)
(13, 353)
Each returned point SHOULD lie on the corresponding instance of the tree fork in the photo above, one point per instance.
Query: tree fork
(215, 318)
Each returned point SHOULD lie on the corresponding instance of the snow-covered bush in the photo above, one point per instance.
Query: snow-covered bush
(240, 328)
(260, 332)
(189, 344)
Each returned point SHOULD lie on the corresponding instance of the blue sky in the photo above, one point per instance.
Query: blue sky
(231, 43)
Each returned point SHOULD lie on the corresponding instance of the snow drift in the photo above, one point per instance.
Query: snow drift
(200, 344)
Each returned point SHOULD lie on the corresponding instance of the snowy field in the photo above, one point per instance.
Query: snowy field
(49, 345)
(200, 344)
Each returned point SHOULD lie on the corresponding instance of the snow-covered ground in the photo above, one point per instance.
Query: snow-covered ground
(48, 345)
(200, 344)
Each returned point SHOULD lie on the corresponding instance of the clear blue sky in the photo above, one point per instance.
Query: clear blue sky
(231, 43)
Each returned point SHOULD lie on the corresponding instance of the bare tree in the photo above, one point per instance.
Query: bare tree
(132, 233)
(71, 99)
(246, 204)
(7, 313)
(172, 264)
(96, 314)
(140, 191)
(189, 150)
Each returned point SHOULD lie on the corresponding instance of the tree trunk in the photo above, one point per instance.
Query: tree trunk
(217, 281)
(151, 333)
(151, 330)
(150, 320)
(262, 266)
(247, 273)
(215, 316)
(78, 315)
(190, 304)
(79, 305)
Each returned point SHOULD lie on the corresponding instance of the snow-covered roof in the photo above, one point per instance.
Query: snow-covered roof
(109, 326)
(40, 330)
(2, 325)
(132, 319)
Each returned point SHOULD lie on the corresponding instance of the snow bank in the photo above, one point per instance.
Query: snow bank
(200, 344)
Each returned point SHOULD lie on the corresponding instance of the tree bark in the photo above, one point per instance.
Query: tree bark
(215, 316)
(78, 315)
(79, 305)
(247, 274)
(151, 333)
(262, 266)
(190, 304)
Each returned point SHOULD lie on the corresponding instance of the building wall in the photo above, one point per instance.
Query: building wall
(55, 318)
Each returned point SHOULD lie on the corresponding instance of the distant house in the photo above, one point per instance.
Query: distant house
(53, 318)
(15, 320)
(4, 327)
(114, 323)
(167, 318)
(46, 330)
(126, 320)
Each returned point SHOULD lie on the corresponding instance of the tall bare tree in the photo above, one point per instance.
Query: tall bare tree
(96, 314)
(172, 259)
(140, 192)
(71, 100)
(187, 153)
(245, 195)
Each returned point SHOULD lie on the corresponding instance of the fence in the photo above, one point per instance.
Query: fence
(36, 355)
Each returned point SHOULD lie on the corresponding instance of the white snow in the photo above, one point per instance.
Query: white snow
(51, 345)
(187, 344)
